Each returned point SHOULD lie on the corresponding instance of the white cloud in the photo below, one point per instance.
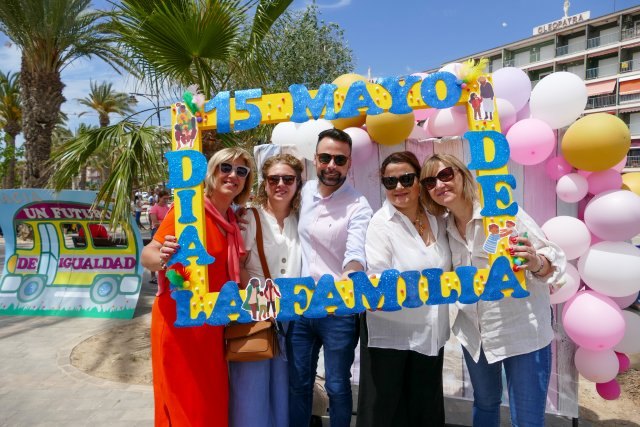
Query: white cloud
(9, 56)
(337, 5)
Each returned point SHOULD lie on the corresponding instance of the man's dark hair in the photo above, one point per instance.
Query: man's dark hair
(336, 134)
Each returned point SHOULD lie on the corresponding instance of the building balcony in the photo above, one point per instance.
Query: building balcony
(630, 33)
(509, 63)
(604, 71)
(627, 66)
(605, 40)
(632, 97)
(568, 49)
(633, 161)
(601, 101)
(634, 129)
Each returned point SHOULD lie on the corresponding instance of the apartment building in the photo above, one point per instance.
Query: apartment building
(603, 51)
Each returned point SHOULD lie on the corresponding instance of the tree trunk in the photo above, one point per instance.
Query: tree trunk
(11, 130)
(41, 97)
(82, 185)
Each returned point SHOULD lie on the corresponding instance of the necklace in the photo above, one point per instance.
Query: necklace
(417, 223)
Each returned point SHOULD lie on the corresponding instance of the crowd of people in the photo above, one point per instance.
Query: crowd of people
(430, 219)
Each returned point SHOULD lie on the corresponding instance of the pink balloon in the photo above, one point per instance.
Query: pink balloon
(583, 173)
(362, 148)
(614, 215)
(623, 362)
(571, 234)
(523, 113)
(418, 133)
(595, 239)
(620, 165)
(605, 180)
(557, 167)
(597, 366)
(425, 127)
(572, 188)
(424, 113)
(507, 114)
(593, 321)
(447, 122)
(531, 141)
(626, 301)
(609, 390)
(569, 288)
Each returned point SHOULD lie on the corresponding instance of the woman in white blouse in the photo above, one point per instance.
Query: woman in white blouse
(514, 333)
(401, 352)
(259, 394)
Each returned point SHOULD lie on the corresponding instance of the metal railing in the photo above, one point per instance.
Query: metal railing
(562, 50)
(604, 71)
(569, 48)
(630, 33)
(602, 40)
(630, 65)
(633, 161)
(631, 97)
(509, 62)
(600, 101)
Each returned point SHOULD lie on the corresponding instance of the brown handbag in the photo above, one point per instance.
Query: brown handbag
(251, 342)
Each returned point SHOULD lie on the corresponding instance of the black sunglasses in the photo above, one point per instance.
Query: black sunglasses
(275, 179)
(241, 171)
(391, 182)
(339, 159)
(445, 175)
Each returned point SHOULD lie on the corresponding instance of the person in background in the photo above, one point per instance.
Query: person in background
(402, 352)
(156, 214)
(277, 205)
(332, 228)
(137, 208)
(514, 333)
(190, 376)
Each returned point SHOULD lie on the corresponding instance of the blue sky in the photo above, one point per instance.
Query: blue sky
(390, 37)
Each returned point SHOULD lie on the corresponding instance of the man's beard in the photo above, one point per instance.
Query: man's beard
(334, 181)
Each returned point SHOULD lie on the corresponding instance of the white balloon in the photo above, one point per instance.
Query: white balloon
(572, 187)
(630, 343)
(571, 234)
(307, 136)
(570, 285)
(558, 99)
(507, 114)
(597, 366)
(453, 68)
(614, 215)
(611, 268)
(285, 133)
(418, 133)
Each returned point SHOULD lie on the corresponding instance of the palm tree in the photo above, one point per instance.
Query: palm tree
(51, 34)
(10, 121)
(103, 99)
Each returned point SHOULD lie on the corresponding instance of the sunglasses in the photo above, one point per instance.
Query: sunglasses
(339, 159)
(391, 182)
(241, 171)
(445, 175)
(286, 179)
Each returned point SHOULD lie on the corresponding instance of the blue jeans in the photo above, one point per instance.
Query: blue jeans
(339, 336)
(527, 381)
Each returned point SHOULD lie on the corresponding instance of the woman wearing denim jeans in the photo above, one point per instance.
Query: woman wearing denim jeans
(512, 333)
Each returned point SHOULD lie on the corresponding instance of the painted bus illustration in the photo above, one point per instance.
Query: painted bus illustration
(69, 248)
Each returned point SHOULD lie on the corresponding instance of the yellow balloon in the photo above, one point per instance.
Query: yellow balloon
(389, 128)
(347, 80)
(631, 181)
(596, 142)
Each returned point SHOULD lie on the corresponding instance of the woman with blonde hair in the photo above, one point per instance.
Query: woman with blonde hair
(512, 333)
(277, 205)
(190, 378)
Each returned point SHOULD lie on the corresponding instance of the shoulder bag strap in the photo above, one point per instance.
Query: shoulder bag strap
(259, 242)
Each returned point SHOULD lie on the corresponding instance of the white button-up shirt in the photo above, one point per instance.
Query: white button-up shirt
(332, 229)
(510, 326)
(281, 248)
(393, 242)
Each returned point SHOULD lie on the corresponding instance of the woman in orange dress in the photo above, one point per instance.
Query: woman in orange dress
(190, 380)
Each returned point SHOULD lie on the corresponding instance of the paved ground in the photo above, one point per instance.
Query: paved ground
(39, 387)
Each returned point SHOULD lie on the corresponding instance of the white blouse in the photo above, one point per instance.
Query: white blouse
(510, 326)
(281, 248)
(394, 243)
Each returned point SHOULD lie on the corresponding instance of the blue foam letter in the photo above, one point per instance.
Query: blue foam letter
(290, 298)
(176, 171)
(399, 93)
(303, 101)
(358, 97)
(495, 283)
(491, 195)
(478, 152)
(190, 245)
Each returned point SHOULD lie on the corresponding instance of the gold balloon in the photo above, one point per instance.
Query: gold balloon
(346, 80)
(389, 128)
(631, 181)
(596, 142)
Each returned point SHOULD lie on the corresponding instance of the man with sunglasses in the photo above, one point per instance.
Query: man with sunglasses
(332, 228)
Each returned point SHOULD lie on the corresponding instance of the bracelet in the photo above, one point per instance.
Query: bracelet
(541, 265)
